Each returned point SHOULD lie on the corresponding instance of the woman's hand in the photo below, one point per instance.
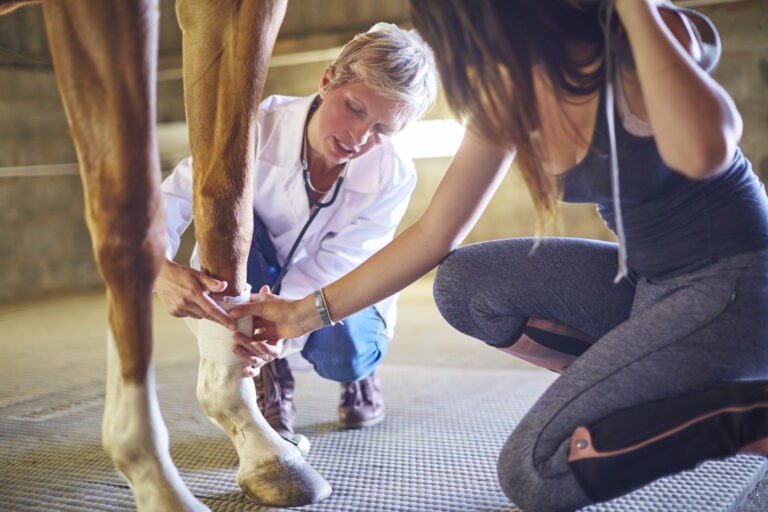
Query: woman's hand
(275, 317)
(273, 322)
(185, 291)
(255, 354)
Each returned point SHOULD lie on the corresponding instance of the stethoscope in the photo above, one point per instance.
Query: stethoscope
(308, 188)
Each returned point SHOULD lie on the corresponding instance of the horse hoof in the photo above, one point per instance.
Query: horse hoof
(287, 483)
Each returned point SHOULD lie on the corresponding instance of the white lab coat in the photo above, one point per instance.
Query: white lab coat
(370, 205)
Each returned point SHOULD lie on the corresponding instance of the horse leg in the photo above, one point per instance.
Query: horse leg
(105, 55)
(226, 47)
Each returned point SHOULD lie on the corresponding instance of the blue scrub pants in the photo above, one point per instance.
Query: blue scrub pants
(343, 352)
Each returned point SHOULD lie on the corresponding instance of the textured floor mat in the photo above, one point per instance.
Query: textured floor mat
(435, 451)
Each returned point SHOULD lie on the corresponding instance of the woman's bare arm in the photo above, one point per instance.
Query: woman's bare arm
(470, 181)
(695, 122)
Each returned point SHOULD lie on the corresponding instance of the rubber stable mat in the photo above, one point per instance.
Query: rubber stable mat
(435, 451)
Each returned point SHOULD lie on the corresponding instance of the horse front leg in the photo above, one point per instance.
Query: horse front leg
(104, 56)
(227, 45)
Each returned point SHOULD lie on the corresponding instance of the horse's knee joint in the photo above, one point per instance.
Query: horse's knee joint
(123, 259)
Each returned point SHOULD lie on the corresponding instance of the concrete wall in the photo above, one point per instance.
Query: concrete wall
(44, 244)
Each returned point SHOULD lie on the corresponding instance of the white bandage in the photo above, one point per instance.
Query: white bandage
(215, 341)
(293, 345)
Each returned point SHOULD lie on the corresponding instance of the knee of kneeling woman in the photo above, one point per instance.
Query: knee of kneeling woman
(520, 480)
(523, 487)
(449, 292)
(515, 474)
(442, 285)
(465, 309)
(454, 273)
(530, 490)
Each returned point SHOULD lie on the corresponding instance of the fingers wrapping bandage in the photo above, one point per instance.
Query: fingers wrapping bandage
(215, 341)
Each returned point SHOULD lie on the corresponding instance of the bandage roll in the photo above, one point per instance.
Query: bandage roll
(215, 341)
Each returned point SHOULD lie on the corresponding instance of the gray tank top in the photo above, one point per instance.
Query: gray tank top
(672, 224)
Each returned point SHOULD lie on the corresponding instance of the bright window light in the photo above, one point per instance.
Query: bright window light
(432, 138)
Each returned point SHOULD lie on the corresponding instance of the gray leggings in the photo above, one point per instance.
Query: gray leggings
(655, 340)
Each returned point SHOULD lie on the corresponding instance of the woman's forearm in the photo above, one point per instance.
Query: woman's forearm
(411, 255)
(472, 178)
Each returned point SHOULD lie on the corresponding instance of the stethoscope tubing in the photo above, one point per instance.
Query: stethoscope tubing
(319, 205)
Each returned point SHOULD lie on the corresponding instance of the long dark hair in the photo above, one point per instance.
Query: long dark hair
(486, 51)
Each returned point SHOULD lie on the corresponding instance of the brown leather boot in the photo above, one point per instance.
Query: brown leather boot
(274, 396)
(362, 404)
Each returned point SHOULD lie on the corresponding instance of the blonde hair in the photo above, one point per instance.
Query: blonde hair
(395, 63)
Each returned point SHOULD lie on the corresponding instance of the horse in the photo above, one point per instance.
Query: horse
(105, 62)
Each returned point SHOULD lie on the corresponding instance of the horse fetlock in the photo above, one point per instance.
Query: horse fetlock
(130, 453)
(140, 454)
(272, 471)
(229, 401)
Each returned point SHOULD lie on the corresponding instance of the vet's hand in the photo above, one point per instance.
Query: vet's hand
(185, 291)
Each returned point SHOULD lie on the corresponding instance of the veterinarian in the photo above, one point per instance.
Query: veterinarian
(330, 189)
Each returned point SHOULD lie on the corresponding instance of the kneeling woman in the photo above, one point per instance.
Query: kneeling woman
(665, 368)
(329, 188)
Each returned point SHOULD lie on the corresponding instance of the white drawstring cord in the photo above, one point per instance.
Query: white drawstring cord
(607, 14)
